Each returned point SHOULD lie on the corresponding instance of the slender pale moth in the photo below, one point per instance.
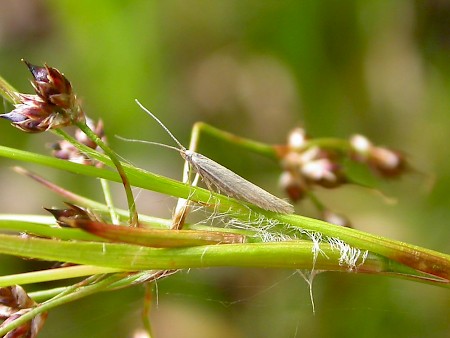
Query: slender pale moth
(223, 179)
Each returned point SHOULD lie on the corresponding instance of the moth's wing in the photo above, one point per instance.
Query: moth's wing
(235, 186)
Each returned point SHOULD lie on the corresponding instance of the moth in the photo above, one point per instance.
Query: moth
(223, 179)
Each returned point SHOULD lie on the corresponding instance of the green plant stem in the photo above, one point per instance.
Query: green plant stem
(105, 186)
(160, 238)
(269, 151)
(291, 255)
(315, 201)
(134, 219)
(84, 202)
(44, 226)
(89, 280)
(138, 177)
(43, 295)
(242, 142)
(54, 274)
(147, 307)
(52, 303)
(425, 260)
(85, 149)
(109, 202)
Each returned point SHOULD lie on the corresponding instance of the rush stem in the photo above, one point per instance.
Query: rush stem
(134, 220)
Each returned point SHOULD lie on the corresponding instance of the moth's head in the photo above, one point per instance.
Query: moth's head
(186, 154)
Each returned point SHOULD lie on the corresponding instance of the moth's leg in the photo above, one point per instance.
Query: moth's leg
(182, 209)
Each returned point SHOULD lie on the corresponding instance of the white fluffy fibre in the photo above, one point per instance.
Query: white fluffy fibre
(268, 230)
(265, 230)
(308, 277)
(349, 255)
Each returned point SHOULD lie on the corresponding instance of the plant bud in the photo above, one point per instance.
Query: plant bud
(293, 185)
(386, 162)
(360, 146)
(335, 218)
(323, 172)
(74, 212)
(54, 105)
(297, 139)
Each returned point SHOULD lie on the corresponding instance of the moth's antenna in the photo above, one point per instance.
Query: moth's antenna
(146, 142)
(161, 124)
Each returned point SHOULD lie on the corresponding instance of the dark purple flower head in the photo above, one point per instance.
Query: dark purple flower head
(54, 105)
(51, 86)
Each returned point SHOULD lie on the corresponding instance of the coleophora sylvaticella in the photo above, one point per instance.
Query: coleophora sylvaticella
(223, 179)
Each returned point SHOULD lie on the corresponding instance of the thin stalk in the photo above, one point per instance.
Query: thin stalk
(43, 295)
(109, 202)
(92, 153)
(315, 201)
(126, 281)
(36, 227)
(84, 202)
(269, 151)
(147, 307)
(157, 238)
(183, 207)
(54, 274)
(52, 303)
(242, 142)
(134, 219)
(138, 177)
(104, 183)
(90, 280)
(102, 232)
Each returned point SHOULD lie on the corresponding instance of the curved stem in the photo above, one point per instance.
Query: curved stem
(242, 142)
(134, 220)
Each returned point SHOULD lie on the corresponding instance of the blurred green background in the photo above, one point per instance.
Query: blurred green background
(256, 69)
